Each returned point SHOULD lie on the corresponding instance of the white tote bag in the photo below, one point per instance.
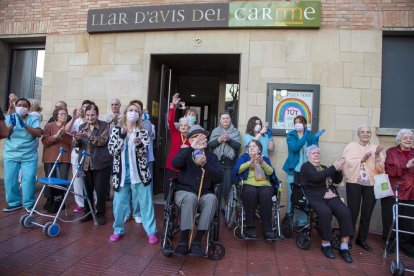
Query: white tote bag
(382, 186)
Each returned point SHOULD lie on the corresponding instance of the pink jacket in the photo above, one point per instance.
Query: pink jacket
(353, 154)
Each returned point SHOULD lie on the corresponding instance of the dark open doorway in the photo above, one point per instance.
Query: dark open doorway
(202, 81)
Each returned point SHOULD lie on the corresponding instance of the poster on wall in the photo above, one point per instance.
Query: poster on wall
(287, 101)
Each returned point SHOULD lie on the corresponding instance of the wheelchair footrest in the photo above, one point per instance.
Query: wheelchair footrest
(250, 239)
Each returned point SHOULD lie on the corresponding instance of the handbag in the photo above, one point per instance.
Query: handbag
(382, 186)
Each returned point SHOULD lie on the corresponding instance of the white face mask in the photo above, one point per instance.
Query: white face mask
(299, 127)
(191, 119)
(132, 116)
(257, 128)
(21, 111)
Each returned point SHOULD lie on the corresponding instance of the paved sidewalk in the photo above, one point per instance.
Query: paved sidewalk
(84, 249)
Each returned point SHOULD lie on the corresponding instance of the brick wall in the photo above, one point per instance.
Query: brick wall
(19, 17)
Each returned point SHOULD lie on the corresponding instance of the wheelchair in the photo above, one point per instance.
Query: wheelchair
(235, 213)
(299, 202)
(214, 248)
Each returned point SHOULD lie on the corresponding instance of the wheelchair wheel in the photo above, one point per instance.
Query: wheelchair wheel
(336, 239)
(229, 212)
(303, 240)
(397, 268)
(287, 226)
(46, 227)
(216, 251)
(167, 247)
(237, 232)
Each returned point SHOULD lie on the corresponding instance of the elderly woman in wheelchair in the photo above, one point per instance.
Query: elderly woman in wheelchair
(317, 182)
(256, 172)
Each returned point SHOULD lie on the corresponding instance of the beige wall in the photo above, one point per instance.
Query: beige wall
(346, 64)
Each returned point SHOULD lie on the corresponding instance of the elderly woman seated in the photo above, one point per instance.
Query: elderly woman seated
(256, 170)
(317, 182)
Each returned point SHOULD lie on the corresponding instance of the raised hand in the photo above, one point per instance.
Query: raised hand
(124, 130)
(339, 164)
(319, 133)
(13, 120)
(366, 156)
(176, 99)
(200, 142)
(378, 150)
(75, 114)
(137, 141)
(410, 163)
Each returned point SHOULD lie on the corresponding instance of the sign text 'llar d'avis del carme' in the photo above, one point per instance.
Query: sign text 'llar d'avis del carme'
(280, 14)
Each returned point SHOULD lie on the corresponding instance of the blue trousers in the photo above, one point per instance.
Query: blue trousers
(135, 209)
(302, 218)
(142, 197)
(11, 185)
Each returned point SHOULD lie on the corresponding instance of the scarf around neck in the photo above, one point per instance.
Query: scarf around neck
(224, 149)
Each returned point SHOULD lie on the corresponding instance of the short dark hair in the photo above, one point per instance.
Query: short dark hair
(224, 113)
(251, 124)
(302, 119)
(23, 99)
(257, 142)
(56, 111)
(138, 102)
(87, 102)
(92, 106)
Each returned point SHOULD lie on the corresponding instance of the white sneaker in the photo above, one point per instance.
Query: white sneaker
(138, 219)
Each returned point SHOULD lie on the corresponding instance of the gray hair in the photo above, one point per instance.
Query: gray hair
(116, 100)
(361, 127)
(401, 133)
(184, 120)
(310, 149)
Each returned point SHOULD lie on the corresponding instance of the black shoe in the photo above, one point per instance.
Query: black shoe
(346, 255)
(251, 233)
(196, 249)
(12, 208)
(270, 235)
(85, 219)
(182, 249)
(328, 252)
(101, 220)
(364, 245)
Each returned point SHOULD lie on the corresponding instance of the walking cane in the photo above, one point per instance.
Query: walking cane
(198, 199)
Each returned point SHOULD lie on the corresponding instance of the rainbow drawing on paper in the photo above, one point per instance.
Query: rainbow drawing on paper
(288, 104)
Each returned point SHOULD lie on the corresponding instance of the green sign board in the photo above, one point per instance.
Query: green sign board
(305, 14)
(276, 14)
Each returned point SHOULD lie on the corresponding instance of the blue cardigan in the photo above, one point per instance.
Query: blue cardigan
(294, 146)
(274, 181)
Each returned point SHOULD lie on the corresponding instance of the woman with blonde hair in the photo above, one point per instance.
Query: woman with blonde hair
(128, 144)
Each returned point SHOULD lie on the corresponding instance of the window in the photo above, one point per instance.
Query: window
(26, 72)
(397, 92)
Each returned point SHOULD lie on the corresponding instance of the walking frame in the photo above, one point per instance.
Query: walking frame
(397, 266)
(52, 228)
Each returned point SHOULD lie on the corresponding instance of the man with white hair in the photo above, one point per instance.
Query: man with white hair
(114, 117)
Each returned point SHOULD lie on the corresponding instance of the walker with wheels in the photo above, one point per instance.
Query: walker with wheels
(397, 266)
(52, 228)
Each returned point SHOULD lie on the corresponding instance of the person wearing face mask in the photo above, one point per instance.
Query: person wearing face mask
(93, 137)
(191, 116)
(178, 141)
(256, 131)
(72, 127)
(128, 144)
(20, 152)
(297, 141)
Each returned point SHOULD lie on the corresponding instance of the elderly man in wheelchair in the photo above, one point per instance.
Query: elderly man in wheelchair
(257, 175)
(194, 190)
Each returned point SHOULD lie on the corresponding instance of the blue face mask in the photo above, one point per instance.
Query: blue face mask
(191, 119)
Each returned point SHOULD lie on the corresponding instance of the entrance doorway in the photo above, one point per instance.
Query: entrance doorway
(207, 83)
